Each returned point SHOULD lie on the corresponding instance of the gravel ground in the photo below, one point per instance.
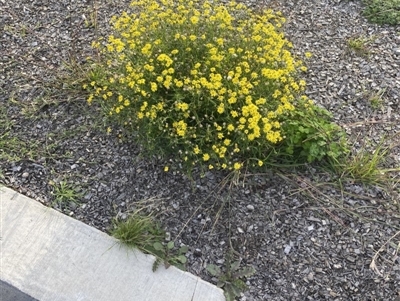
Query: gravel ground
(307, 238)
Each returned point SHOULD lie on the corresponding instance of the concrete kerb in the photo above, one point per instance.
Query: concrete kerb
(53, 257)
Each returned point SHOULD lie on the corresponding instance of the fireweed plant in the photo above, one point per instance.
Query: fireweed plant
(213, 84)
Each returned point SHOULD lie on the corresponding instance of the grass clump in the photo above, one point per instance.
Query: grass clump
(137, 231)
(367, 164)
(382, 11)
(213, 84)
(65, 193)
(143, 233)
(360, 44)
(376, 99)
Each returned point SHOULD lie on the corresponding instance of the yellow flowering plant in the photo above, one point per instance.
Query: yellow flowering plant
(213, 84)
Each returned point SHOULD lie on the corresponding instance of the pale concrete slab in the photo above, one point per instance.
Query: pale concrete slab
(53, 257)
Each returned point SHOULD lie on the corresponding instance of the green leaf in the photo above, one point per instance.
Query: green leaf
(213, 270)
(183, 250)
(236, 289)
(245, 272)
(170, 245)
(220, 284)
(180, 266)
(235, 265)
(156, 264)
(158, 246)
(182, 258)
(229, 292)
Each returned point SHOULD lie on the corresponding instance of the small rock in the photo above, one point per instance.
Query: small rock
(197, 253)
(16, 168)
(250, 208)
(25, 175)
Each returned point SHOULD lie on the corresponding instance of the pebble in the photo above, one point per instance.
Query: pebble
(197, 253)
(250, 208)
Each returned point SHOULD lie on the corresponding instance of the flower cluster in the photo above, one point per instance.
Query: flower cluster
(211, 82)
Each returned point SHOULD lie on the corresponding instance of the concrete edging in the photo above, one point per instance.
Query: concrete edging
(53, 257)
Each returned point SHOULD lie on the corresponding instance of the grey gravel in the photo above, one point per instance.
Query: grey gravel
(306, 242)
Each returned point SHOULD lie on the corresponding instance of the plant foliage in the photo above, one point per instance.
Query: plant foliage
(213, 84)
(382, 11)
(230, 280)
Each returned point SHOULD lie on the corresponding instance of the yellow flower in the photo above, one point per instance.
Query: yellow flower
(308, 54)
(260, 163)
(237, 166)
(178, 83)
(166, 168)
(194, 20)
(180, 127)
(220, 108)
(146, 50)
(206, 157)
